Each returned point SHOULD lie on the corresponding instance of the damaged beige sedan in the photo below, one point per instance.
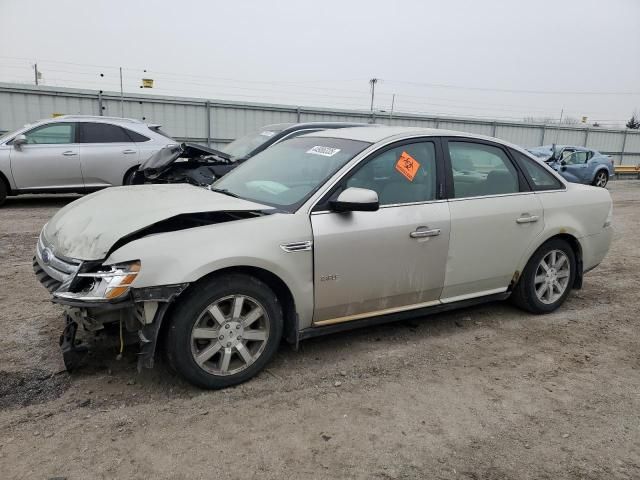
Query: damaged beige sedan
(320, 233)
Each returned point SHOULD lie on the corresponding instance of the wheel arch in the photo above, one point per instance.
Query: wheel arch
(5, 181)
(128, 172)
(273, 281)
(573, 242)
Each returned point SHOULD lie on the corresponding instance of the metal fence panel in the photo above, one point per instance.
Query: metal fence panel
(230, 122)
(632, 143)
(523, 136)
(186, 118)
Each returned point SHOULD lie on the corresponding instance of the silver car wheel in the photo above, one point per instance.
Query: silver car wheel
(601, 179)
(552, 276)
(230, 334)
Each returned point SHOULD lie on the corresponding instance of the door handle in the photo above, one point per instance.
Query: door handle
(128, 151)
(526, 218)
(69, 153)
(422, 232)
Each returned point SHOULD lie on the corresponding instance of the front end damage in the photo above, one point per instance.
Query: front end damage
(96, 297)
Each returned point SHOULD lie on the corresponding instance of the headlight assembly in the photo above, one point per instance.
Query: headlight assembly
(106, 283)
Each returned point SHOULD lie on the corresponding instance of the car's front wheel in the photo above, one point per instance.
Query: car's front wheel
(3, 192)
(547, 279)
(224, 331)
(601, 179)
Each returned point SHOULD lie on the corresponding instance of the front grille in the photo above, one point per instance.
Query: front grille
(48, 282)
(54, 272)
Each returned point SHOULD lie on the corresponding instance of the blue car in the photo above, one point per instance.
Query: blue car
(577, 164)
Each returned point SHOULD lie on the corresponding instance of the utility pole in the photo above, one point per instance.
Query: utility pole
(393, 101)
(121, 95)
(559, 123)
(35, 71)
(373, 82)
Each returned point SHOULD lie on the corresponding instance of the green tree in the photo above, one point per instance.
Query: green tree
(634, 122)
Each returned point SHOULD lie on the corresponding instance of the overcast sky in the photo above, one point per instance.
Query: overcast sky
(485, 58)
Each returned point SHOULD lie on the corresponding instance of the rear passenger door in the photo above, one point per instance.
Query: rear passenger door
(107, 154)
(494, 217)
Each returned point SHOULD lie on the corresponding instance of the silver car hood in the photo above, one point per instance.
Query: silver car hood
(89, 227)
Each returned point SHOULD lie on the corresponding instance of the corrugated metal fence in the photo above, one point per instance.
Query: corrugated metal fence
(217, 122)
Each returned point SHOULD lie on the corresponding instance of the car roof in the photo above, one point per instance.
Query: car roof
(94, 118)
(382, 132)
(575, 147)
(304, 125)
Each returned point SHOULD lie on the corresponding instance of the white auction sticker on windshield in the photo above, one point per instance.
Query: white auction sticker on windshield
(324, 151)
(267, 133)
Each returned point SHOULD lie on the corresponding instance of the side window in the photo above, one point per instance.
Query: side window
(566, 153)
(402, 174)
(480, 169)
(135, 136)
(52, 134)
(577, 158)
(103, 133)
(539, 176)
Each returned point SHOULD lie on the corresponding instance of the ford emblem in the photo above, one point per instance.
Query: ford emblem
(46, 256)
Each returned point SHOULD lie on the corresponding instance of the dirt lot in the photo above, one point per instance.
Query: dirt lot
(483, 393)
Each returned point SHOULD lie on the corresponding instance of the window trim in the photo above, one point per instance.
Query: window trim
(322, 205)
(523, 183)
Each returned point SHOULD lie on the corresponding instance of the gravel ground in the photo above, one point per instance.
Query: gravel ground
(483, 393)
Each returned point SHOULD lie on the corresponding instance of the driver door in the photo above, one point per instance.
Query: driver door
(50, 159)
(390, 260)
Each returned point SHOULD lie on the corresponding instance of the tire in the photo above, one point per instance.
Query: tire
(3, 192)
(526, 293)
(129, 176)
(210, 310)
(601, 179)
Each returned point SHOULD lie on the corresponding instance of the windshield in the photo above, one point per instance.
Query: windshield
(4, 136)
(286, 174)
(243, 146)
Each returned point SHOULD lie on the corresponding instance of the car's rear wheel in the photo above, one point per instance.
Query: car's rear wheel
(129, 176)
(547, 279)
(601, 179)
(225, 331)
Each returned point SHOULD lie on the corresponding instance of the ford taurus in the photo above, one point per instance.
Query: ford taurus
(323, 232)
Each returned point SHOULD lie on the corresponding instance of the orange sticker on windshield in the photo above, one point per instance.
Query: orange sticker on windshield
(407, 166)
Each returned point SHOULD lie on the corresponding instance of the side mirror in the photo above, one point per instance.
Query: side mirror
(19, 141)
(355, 200)
(563, 162)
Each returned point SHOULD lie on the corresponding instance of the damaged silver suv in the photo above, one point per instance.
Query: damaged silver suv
(317, 234)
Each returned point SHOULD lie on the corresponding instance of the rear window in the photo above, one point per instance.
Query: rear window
(103, 133)
(539, 177)
(136, 137)
(161, 132)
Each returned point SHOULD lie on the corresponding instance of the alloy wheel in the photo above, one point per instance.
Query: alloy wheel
(230, 335)
(552, 276)
(601, 179)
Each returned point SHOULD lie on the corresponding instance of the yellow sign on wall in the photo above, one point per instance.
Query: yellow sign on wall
(147, 83)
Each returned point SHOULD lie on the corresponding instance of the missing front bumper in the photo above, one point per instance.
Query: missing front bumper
(72, 352)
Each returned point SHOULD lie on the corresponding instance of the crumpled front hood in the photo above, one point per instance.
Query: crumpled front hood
(87, 228)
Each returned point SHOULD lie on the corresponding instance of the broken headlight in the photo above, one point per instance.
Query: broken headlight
(107, 282)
